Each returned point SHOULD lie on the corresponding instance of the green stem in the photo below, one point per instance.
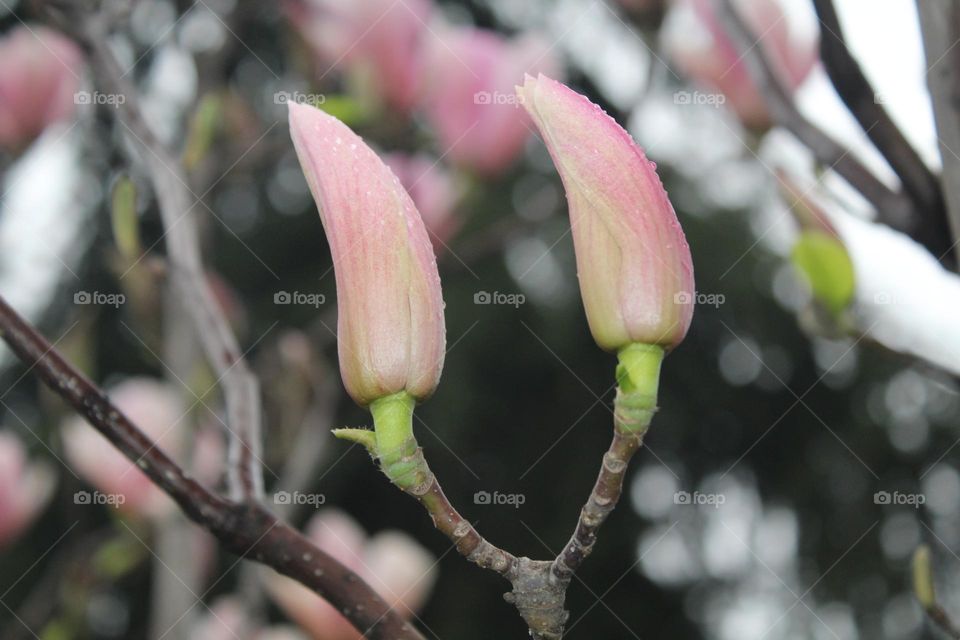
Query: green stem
(638, 380)
(400, 457)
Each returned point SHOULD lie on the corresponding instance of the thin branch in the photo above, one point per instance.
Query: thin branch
(919, 182)
(176, 204)
(604, 497)
(893, 208)
(246, 529)
(470, 544)
(940, 24)
(537, 594)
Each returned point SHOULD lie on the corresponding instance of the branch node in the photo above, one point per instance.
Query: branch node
(539, 597)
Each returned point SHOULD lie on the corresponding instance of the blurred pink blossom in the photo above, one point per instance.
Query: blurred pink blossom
(156, 409)
(379, 40)
(39, 77)
(391, 562)
(470, 100)
(228, 618)
(25, 487)
(697, 41)
(434, 191)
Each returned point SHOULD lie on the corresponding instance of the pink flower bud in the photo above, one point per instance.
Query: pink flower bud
(636, 275)
(25, 488)
(159, 412)
(390, 329)
(699, 44)
(380, 40)
(39, 77)
(470, 100)
(433, 189)
(391, 562)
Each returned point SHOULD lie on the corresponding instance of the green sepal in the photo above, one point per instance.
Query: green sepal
(366, 437)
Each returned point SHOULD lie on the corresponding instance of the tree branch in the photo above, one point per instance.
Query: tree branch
(603, 499)
(919, 182)
(893, 208)
(940, 24)
(244, 528)
(176, 204)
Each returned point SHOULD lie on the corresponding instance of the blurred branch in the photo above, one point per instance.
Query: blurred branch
(176, 203)
(919, 182)
(244, 528)
(893, 208)
(940, 24)
(925, 593)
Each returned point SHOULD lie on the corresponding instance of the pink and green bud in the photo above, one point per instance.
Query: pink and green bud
(391, 335)
(636, 275)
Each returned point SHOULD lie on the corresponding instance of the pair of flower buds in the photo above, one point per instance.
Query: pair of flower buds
(635, 271)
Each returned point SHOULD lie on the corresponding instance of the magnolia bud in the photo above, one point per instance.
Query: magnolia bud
(390, 329)
(636, 275)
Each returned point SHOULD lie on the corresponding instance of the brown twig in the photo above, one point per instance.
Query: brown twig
(241, 388)
(919, 182)
(536, 593)
(893, 208)
(940, 24)
(470, 544)
(604, 497)
(941, 618)
(244, 528)
(539, 586)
